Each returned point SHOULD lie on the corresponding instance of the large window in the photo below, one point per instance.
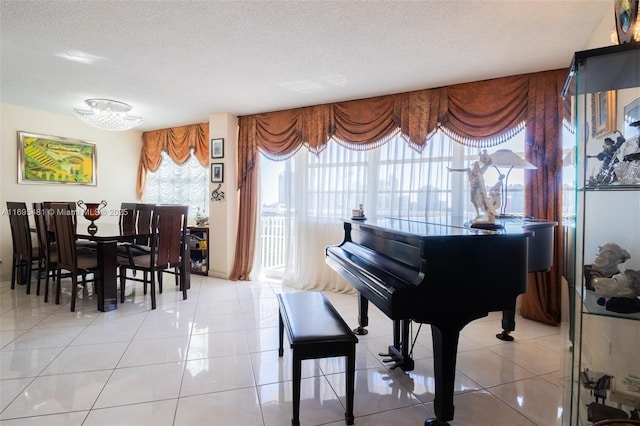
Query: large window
(185, 184)
(305, 196)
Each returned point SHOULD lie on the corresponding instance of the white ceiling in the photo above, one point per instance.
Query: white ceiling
(176, 62)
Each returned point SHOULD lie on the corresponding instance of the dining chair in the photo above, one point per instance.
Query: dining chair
(69, 258)
(167, 250)
(88, 247)
(135, 217)
(48, 247)
(25, 255)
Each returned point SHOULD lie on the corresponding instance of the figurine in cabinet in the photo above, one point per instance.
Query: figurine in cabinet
(626, 284)
(619, 293)
(609, 159)
(606, 262)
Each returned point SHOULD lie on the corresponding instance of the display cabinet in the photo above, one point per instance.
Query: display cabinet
(604, 90)
(199, 250)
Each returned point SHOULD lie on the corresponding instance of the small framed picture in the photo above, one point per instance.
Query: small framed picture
(217, 148)
(217, 172)
(603, 113)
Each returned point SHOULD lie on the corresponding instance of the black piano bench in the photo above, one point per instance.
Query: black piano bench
(316, 330)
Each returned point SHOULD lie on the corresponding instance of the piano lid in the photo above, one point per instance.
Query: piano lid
(445, 227)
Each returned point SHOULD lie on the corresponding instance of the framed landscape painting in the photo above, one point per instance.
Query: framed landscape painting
(53, 159)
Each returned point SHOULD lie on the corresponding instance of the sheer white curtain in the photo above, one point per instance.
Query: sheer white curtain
(316, 192)
(184, 184)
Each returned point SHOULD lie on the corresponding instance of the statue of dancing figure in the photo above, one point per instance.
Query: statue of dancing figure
(478, 189)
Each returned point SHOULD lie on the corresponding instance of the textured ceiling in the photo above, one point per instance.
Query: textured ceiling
(176, 62)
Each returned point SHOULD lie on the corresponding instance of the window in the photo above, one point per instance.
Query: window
(306, 195)
(185, 184)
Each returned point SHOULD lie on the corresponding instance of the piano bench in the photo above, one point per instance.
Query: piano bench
(316, 330)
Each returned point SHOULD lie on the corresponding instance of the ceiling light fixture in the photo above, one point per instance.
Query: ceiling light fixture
(106, 114)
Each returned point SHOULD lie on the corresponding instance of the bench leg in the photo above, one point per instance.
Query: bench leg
(281, 335)
(350, 367)
(297, 373)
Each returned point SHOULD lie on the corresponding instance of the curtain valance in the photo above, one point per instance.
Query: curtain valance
(177, 143)
(486, 113)
(480, 114)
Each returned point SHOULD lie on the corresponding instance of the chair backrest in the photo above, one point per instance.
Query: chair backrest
(20, 233)
(144, 218)
(65, 233)
(170, 234)
(49, 211)
(127, 220)
(44, 239)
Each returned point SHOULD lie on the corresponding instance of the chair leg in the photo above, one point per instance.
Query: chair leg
(46, 282)
(183, 282)
(74, 291)
(40, 261)
(58, 285)
(123, 278)
(14, 268)
(153, 289)
(27, 267)
(160, 280)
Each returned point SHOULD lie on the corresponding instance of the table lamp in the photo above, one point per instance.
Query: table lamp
(507, 158)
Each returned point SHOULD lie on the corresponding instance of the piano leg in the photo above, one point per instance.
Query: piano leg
(508, 324)
(363, 315)
(445, 350)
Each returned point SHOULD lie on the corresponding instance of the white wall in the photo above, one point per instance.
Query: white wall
(118, 154)
(223, 215)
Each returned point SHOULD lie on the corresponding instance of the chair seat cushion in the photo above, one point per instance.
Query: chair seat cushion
(135, 249)
(87, 261)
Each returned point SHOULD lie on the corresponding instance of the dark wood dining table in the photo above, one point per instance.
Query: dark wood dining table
(107, 237)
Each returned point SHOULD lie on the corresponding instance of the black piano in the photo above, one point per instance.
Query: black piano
(438, 274)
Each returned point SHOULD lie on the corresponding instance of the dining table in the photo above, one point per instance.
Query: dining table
(107, 236)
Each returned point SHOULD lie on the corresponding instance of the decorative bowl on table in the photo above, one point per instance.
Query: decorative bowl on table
(92, 212)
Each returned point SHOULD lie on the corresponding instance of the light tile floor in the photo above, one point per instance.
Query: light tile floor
(213, 360)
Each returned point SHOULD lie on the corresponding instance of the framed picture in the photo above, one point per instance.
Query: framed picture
(631, 114)
(217, 172)
(53, 159)
(603, 113)
(217, 148)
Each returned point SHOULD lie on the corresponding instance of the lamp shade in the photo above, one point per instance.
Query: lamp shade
(508, 158)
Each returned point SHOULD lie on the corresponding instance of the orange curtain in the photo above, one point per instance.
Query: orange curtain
(478, 114)
(247, 162)
(486, 113)
(175, 141)
(543, 148)
(418, 115)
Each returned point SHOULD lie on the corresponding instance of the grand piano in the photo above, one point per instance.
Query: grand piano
(438, 274)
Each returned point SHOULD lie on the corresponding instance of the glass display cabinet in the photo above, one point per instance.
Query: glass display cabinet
(604, 90)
